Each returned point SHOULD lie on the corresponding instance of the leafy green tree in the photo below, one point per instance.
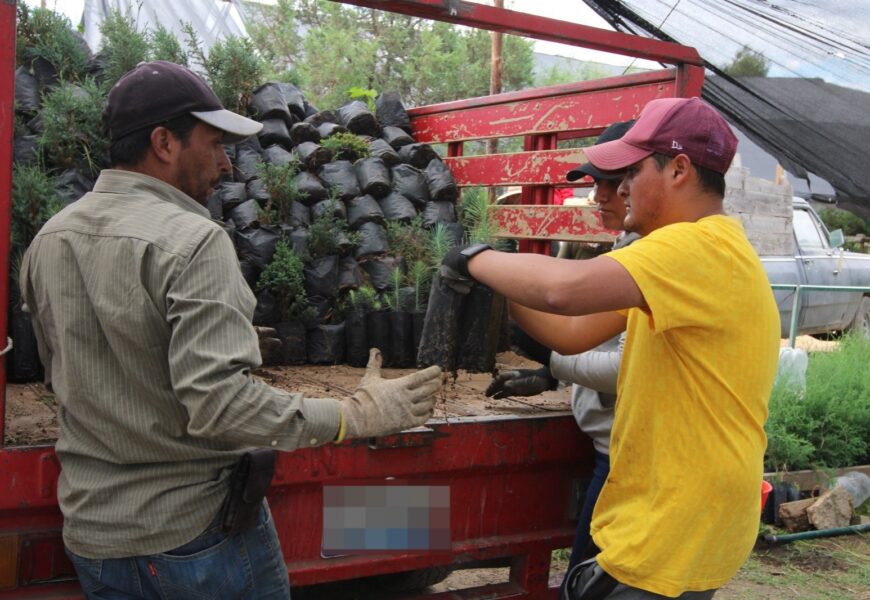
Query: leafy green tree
(331, 48)
(748, 63)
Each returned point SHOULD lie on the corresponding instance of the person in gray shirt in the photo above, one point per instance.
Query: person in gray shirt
(143, 323)
(593, 374)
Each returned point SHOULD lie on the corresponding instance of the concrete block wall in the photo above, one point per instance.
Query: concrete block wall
(764, 207)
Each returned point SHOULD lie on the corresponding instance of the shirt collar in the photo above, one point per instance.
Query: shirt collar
(116, 181)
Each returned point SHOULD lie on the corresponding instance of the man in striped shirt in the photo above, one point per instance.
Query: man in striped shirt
(143, 321)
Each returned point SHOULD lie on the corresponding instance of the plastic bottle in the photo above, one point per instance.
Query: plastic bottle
(792, 368)
(858, 486)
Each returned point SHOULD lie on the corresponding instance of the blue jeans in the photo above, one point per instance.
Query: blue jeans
(582, 539)
(244, 565)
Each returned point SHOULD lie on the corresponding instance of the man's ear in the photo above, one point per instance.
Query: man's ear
(164, 144)
(680, 169)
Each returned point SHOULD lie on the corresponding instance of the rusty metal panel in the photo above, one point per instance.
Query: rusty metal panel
(521, 168)
(589, 111)
(562, 223)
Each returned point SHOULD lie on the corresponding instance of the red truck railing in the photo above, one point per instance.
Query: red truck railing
(511, 478)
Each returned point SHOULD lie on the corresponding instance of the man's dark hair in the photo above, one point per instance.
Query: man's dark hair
(130, 149)
(710, 180)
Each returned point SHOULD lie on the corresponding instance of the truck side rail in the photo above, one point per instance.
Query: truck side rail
(798, 292)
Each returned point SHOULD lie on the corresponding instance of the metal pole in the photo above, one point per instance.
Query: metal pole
(7, 85)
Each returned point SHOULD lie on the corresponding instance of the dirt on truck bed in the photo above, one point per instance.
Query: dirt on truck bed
(31, 410)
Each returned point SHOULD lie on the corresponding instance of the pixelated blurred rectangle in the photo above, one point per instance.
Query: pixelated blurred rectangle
(385, 518)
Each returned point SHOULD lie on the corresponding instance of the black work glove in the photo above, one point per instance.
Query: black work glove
(521, 382)
(454, 266)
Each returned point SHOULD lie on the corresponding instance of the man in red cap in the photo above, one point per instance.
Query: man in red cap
(679, 512)
(143, 322)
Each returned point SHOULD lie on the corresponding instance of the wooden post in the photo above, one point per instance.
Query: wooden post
(495, 79)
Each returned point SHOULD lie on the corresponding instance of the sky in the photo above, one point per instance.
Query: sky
(574, 11)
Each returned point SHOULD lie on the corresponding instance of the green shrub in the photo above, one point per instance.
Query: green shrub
(324, 233)
(828, 425)
(123, 46)
(281, 187)
(285, 277)
(346, 146)
(409, 240)
(34, 200)
(45, 34)
(364, 298)
(72, 130)
(233, 68)
(850, 223)
(165, 46)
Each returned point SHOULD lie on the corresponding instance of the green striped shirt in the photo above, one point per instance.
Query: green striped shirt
(143, 321)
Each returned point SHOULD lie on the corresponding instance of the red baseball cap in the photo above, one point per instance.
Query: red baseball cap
(671, 126)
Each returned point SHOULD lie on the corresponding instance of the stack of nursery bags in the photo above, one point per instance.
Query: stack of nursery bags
(348, 174)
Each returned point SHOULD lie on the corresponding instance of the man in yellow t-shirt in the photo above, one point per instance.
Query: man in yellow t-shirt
(679, 512)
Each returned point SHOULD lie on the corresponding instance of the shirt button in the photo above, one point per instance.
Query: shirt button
(313, 441)
(274, 442)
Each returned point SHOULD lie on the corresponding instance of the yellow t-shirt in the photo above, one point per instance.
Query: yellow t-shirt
(680, 508)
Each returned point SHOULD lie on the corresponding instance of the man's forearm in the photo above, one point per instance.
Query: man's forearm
(568, 335)
(557, 286)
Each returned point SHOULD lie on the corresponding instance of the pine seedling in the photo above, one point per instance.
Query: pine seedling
(123, 45)
(48, 35)
(165, 46)
(418, 276)
(439, 245)
(393, 298)
(285, 277)
(279, 180)
(34, 201)
(72, 127)
(346, 146)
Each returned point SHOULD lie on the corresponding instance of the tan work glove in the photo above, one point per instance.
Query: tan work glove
(385, 406)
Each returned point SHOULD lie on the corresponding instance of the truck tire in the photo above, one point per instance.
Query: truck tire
(861, 323)
(410, 581)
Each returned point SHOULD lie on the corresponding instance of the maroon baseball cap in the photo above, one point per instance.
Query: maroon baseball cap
(158, 91)
(671, 126)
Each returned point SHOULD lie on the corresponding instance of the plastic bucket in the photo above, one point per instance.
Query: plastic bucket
(766, 488)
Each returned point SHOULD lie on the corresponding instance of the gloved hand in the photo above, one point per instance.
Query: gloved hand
(385, 406)
(521, 382)
(270, 344)
(454, 266)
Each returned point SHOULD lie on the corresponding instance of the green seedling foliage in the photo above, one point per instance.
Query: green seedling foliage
(409, 240)
(439, 245)
(346, 146)
(233, 67)
(477, 220)
(419, 276)
(165, 46)
(285, 277)
(34, 201)
(364, 298)
(282, 189)
(123, 45)
(828, 425)
(324, 233)
(393, 298)
(42, 33)
(72, 128)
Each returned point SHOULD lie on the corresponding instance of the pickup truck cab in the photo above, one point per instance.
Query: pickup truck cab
(818, 261)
